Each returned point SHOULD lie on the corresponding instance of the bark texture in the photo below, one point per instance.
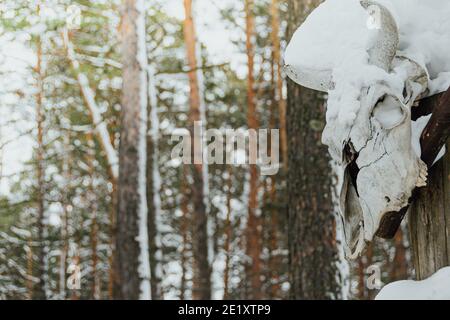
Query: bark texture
(184, 229)
(39, 288)
(202, 272)
(429, 218)
(92, 198)
(128, 248)
(228, 239)
(399, 268)
(280, 100)
(153, 188)
(253, 237)
(313, 253)
(151, 222)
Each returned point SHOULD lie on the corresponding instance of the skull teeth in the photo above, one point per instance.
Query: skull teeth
(423, 175)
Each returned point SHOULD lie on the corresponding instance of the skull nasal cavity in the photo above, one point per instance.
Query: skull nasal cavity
(351, 156)
(389, 112)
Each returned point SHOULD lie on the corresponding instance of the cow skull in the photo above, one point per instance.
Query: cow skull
(374, 151)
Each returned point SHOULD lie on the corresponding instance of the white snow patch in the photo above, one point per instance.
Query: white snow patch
(154, 133)
(343, 266)
(339, 25)
(144, 261)
(435, 287)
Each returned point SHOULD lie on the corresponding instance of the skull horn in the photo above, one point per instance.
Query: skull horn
(386, 41)
(382, 52)
(319, 80)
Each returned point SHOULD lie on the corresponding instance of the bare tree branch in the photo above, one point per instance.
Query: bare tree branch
(89, 97)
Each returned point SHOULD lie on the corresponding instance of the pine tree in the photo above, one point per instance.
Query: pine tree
(133, 270)
(311, 223)
(202, 269)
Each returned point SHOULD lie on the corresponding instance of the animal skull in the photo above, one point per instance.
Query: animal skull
(375, 151)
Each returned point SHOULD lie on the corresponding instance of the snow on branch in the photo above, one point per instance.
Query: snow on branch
(89, 98)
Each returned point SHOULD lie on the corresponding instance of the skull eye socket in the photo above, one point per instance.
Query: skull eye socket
(389, 112)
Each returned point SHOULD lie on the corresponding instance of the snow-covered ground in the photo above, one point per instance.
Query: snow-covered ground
(436, 287)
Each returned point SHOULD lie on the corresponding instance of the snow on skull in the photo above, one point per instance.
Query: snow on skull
(371, 58)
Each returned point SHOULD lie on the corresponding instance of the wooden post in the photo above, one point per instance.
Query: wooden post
(430, 212)
(429, 219)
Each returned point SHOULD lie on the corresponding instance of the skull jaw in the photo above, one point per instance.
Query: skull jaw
(364, 208)
(352, 218)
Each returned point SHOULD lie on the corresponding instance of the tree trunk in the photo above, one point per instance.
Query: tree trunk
(152, 229)
(30, 269)
(253, 250)
(274, 9)
(313, 255)
(112, 241)
(39, 288)
(361, 278)
(399, 269)
(95, 293)
(277, 101)
(152, 190)
(429, 219)
(228, 235)
(185, 218)
(274, 260)
(202, 271)
(132, 262)
(65, 202)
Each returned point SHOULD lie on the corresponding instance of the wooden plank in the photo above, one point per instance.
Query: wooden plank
(437, 131)
(429, 218)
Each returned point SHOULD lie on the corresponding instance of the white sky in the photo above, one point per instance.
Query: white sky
(14, 60)
(212, 31)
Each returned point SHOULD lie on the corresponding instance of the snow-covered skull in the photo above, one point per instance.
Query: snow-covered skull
(368, 128)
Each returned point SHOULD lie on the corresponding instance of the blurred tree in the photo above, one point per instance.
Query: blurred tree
(153, 189)
(202, 269)
(133, 271)
(313, 252)
(39, 288)
(253, 237)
